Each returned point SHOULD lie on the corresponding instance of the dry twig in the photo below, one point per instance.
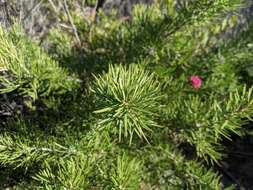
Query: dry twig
(71, 22)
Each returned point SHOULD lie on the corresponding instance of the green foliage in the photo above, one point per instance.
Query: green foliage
(59, 44)
(29, 70)
(17, 153)
(130, 122)
(201, 118)
(126, 173)
(127, 99)
(173, 171)
(71, 174)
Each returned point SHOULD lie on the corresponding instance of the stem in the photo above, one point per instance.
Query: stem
(71, 22)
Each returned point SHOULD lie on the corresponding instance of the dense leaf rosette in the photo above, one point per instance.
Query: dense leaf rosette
(127, 99)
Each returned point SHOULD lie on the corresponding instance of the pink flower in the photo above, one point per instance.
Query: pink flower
(196, 82)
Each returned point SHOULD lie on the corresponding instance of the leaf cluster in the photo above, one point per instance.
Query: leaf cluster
(135, 114)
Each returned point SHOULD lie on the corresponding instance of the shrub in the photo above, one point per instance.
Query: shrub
(128, 100)
(160, 93)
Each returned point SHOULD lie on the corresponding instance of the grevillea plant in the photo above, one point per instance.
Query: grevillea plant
(142, 103)
(127, 108)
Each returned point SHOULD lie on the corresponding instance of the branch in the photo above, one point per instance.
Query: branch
(71, 22)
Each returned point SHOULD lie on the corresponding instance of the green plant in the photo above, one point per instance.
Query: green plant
(127, 99)
(150, 103)
(29, 71)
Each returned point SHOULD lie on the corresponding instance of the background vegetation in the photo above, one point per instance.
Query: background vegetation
(151, 96)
